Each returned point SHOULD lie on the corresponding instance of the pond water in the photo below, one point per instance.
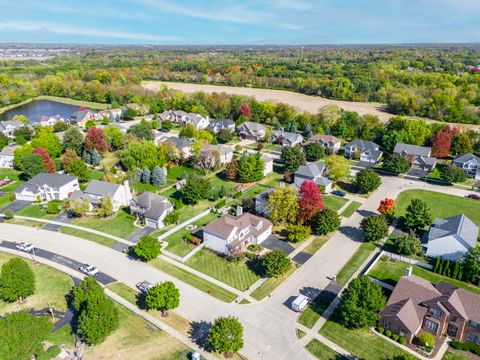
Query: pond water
(37, 108)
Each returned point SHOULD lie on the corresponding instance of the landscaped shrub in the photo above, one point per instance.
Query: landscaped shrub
(8, 214)
(473, 348)
(388, 333)
(250, 256)
(381, 330)
(427, 339)
(188, 237)
(402, 340)
(254, 247)
(395, 337)
(52, 207)
(195, 240)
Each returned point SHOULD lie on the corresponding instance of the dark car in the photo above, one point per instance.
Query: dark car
(338, 193)
(473, 196)
(164, 130)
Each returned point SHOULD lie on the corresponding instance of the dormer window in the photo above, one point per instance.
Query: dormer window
(435, 312)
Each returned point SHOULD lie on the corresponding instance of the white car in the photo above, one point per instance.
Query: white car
(144, 286)
(89, 270)
(24, 246)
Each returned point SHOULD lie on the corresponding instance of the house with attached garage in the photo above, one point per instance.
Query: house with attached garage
(418, 156)
(450, 238)
(97, 189)
(315, 171)
(218, 125)
(48, 120)
(230, 235)
(330, 143)
(82, 116)
(183, 146)
(176, 116)
(47, 187)
(225, 153)
(469, 163)
(113, 115)
(288, 139)
(7, 155)
(196, 120)
(251, 131)
(363, 150)
(152, 208)
(7, 128)
(139, 109)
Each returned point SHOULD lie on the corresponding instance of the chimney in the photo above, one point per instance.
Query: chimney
(239, 211)
(408, 271)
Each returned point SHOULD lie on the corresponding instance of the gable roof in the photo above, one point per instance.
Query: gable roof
(180, 143)
(52, 180)
(225, 225)
(8, 150)
(460, 227)
(363, 145)
(311, 170)
(407, 149)
(467, 157)
(325, 139)
(155, 204)
(102, 188)
(251, 127)
(424, 160)
(221, 124)
(222, 149)
(291, 137)
(12, 123)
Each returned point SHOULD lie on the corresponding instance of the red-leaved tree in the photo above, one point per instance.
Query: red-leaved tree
(245, 111)
(47, 160)
(442, 141)
(95, 139)
(387, 207)
(310, 201)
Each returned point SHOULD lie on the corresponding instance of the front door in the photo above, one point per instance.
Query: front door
(452, 330)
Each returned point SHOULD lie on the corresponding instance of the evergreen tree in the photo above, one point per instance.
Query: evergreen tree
(307, 131)
(250, 167)
(447, 269)
(73, 139)
(95, 157)
(145, 176)
(456, 269)
(158, 176)
(418, 215)
(440, 268)
(86, 157)
(437, 265)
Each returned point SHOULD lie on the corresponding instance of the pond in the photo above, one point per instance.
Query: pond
(37, 108)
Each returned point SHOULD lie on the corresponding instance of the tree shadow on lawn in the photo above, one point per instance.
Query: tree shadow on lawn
(199, 334)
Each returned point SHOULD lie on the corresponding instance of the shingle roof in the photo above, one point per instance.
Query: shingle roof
(425, 160)
(52, 180)
(407, 149)
(325, 139)
(363, 145)
(289, 136)
(155, 204)
(222, 149)
(102, 188)
(222, 124)
(226, 224)
(460, 227)
(252, 127)
(467, 157)
(180, 143)
(311, 170)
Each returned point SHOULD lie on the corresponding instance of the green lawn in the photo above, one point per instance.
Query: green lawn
(193, 280)
(316, 244)
(441, 205)
(359, 342)
(175, 172)
(139, 187)
(5, 200)
(234, 273)
(51, 288)
(390, 271)
(450, 355)
(9, 173)
(37, 211)
(350, 209)
(120, 225)
(109, 159)
(94, 174)
(102, 240)
(315, 309)
(12, 186)
(334, 202)
(354, 263)
(321, 351)
(271, 284)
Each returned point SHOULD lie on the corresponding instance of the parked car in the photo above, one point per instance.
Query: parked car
(473, 196)
(144, 286)
(338, 193)
(89, 270)
(24, 246)
(163, 130)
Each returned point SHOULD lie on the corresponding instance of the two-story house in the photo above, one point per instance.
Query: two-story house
(286, 138)
(330, 143)
(196, 120)
(97, 189)
(82, 116)
(46, 187)
(469, 163)
(183, 146)
(252, 131)
(418, 156)
(152, 208)
(225, 153)
(7, 156)
(46, 120)
(7, 128)
(315, 171)
(218, 125)
(231, 235)
(363, 150)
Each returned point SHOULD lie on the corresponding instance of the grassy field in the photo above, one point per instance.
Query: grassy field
(314, 310)
(350, 209)
(334, 202)
(51, 288)
(191, 279)
(360, 342)
(120, 225)
(441, 205)
(234, 273)
(450, 355)
(37, 211)
(94, 174)
(5, 200)
(9, 173)
(321, 351)
(390, 271)
(175, 172)
(354, 263)
(271, 284)
(88, 236)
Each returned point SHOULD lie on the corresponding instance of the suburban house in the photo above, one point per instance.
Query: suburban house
(152, 208)
(315, 171)
(218, 125)
(417, 306)
(261, 201)
(6, 156)
(97, 189)
(174, 116)
(330, 143)
(252, 131)
(451, 238)
(285, 138)
(48, 120)
(81, 117)
(46, 187)
(417, 156)
(139, 109)
(267, 165)
(225, 153)
(8, 127)
(196, 120)
(113, 115)
(363, 150)
(469, 163)
(231, 235)
(182, 146)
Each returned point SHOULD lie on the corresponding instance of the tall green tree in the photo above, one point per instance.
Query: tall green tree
(367, 180)
(195, 189)
(148, 248)
(375, 227)
(250, 167)
(44, 137)
(418, 215)
(163, 296)
(73, 139)
(396, 164)
(325, 222)
(276, 263)
(292, 157)
(31, 165)
(17, 280)
(338, 167)
(314, 151)
(226, 335)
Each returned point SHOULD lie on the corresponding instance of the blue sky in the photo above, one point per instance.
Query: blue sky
(239, 22)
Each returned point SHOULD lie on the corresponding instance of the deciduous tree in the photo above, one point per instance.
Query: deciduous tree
(226, 335)
(17, 280)
(418, 215)
(338, 167)
(106, 206)
(48, 163)
(276, 263)
(396, 164)
(325, 221)
(283, 205)
(292, 157)
(31, 165)
(310, 201)
(387, 208)
(375, 227)
(407, 244)
(453, 174)
(95, 139)
(148, 248)
(442, 142)
(163, 296)
(314, 151)
(367, 180)
(44, 137)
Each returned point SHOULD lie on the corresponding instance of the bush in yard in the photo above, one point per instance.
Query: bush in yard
(407, 245)
(388, 333)
(375, 227)
(17, 280)
(226, 335)
(79, 207)
(395, 337)
(381, 330)
(387, 208)
(418, 215)
(276, 263)
(367, 180)
(148, 248)
(453, 174)
(427, 340)
(360, 303)
(254, 247)
(106, 207)
(22, 335)
(163, 296)
(396, 164)
(52, 207)
(171, 218)
(8, 214)
(297, 232)
(292, 158)
(325, 222)
(402, 340)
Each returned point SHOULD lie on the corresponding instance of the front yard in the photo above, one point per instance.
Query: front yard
(38, 211)
(322, 352)
(334, 202)
(354, 263)
(120, 224)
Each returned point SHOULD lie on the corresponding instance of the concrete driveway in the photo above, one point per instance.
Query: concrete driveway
(62, 217)
(17, 205)
(272, 242)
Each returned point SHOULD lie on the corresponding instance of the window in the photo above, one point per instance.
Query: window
(474, 325)
(471, 337)
(431, 325)
(387, 324)
(453, 319)
(435, 312)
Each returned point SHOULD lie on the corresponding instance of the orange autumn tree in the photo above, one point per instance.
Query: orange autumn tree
(387, 207)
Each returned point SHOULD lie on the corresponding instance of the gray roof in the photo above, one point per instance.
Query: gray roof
(363, 145)
(425, 160)
(467, 157)
(52, 180)
(289, 136)
(222, 124)
(80, 114)
(407, 149)
(180, 143)
(460, 227)
(311, 170)
(251, 127)
(102, 188)
(14, 123)
(323, 181)
(155, 204)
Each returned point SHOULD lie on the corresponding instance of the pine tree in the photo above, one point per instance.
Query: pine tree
(86, 157)
(456, 269)
(440, 268)
(158, 176)
(96, 157)
(437, 264)
(145, 176)
(460, 273)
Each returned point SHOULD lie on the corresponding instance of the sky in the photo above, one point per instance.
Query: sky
(255, 22)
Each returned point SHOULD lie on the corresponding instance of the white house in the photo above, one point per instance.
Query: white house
(183, 146)
(469, 163)
(113, 115)
(232, 234)
(82, 116)
(267, 165)
(366, 151)
(97, 189)
(48, 120)
(151, 207)
(8, 127)
(47, 187)
(196, 120)
(225, 153)
(177, 116)
(330, 143)
(218, 125)
(285, 138)
(6, 156)
(252, 131)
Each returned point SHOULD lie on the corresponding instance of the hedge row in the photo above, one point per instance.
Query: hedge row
(394, 337)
